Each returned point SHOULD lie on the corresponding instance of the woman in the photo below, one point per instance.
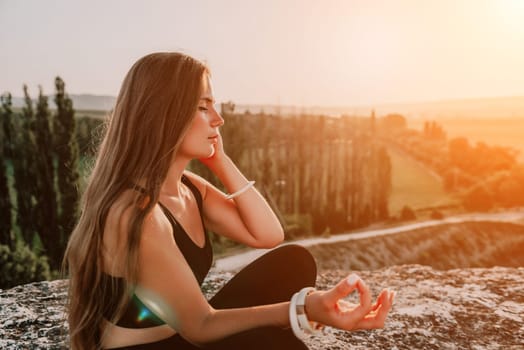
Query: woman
(140, 249)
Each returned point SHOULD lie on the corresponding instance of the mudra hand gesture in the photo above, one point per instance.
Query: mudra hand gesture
(329, 307)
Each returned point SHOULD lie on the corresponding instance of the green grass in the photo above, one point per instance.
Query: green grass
(414, 185)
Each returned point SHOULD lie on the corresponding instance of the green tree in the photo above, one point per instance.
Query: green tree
(384, 185)
(6, 237)
(357, 177)
(24, 155)
(66, 153)
(328, 172)
(47, 218)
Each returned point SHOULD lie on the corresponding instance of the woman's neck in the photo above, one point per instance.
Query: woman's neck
(172, 183)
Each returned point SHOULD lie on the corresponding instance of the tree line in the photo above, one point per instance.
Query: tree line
(483, 176)
(320, 174)
(39, 173)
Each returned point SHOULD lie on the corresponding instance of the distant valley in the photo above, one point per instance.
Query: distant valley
(497, 107)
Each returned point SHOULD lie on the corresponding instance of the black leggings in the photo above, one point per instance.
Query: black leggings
(272, 278)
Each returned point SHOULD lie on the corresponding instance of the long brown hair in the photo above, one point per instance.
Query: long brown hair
(156, 103)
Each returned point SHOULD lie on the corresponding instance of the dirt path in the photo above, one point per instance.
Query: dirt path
(236, 262)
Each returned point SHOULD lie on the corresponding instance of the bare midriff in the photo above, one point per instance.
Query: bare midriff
(119, 336)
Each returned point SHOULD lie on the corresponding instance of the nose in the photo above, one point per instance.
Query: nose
(217, 119)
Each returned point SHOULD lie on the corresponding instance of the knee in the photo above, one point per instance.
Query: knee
(300, 262)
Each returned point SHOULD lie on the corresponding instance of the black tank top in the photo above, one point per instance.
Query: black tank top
(136, 314)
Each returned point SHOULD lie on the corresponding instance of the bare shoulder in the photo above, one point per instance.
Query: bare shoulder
(197, 180)
(156, 231)
(116, 231)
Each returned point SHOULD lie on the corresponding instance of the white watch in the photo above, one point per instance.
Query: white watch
(310, 327)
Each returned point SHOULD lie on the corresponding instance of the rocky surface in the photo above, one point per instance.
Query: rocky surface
(454, 309)
(32, 316)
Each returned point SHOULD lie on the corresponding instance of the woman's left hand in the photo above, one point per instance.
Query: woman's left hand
(329, 307)
(217, 157)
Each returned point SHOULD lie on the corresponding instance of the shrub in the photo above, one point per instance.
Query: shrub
(21, 266)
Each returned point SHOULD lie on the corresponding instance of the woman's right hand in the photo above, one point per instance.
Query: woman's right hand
(329, 308)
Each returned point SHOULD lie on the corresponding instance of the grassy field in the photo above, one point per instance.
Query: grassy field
(414, 185)
(501, 132)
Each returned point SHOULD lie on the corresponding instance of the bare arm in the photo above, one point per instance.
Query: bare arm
(167, 285)
(247, 218)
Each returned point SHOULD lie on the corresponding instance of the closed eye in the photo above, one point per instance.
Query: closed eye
(202, 109)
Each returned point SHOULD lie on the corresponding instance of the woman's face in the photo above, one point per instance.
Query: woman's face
(202, 136)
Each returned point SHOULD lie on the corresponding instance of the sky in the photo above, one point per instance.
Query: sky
(287, 52)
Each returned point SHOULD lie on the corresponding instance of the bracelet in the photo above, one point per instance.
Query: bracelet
(294, 320)
(240, 191)
(310, 327)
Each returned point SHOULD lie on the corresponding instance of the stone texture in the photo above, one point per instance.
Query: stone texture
(32, 316)
(480, 308)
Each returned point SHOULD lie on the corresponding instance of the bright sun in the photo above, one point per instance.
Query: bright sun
(512, 12)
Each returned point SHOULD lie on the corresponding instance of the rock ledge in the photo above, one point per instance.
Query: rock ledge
(453, 309)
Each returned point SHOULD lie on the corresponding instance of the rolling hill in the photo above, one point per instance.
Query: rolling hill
(448, 246)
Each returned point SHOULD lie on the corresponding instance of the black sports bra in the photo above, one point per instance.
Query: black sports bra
(136, 314)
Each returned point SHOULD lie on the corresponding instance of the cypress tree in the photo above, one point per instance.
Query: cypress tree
(355, 178)
(5, 155)
(385, 185)
(346, 162)
(301, 162)
(24, 155)
(331, 188)
(46, 206)
(66, 153)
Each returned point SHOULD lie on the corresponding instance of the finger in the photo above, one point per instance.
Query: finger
(365, 295)
(377, 318)
(385, 298)
(372, 321)
(343, 288)
(384, 308)
(383, 294)
(392, 295)
(354, 316)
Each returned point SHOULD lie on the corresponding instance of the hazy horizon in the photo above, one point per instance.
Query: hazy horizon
(18, 101)
(299, 53)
